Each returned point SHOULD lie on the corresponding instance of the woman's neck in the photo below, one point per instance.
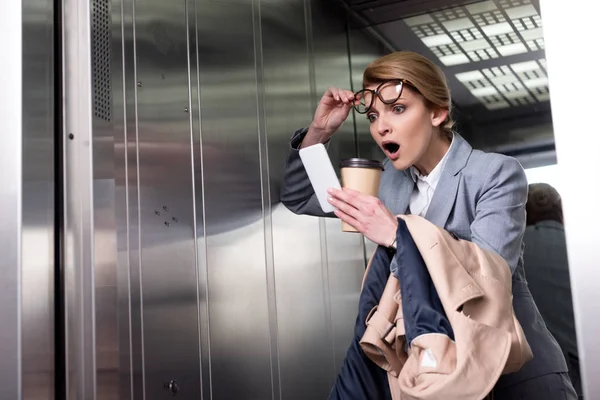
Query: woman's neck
(435, 152)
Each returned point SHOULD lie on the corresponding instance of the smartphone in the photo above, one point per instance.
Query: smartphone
(320, 172)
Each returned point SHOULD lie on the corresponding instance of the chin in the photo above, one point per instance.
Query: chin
(401, 164)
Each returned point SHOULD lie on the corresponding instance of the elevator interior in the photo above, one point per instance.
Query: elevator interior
(179, 272)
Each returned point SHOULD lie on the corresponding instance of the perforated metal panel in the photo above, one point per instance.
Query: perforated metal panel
(101, 52)
(162, 41)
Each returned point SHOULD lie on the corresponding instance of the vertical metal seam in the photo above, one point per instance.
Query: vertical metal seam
(193, 179)
(139, 212)
(58, 245)
(127, 220)
(203, 188)
(204, 241)
(85, 162)
(263, 155)
(19, 217)
(349, 51)
(63, 207)
(322, 223)
(78, 242)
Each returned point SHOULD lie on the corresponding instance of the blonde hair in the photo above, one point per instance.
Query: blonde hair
(426, 77)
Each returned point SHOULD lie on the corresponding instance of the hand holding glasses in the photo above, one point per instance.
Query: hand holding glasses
(335, 106)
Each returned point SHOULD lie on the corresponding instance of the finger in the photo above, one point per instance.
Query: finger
(346, 96)
(349, 95)
(336, 93)
(354, 197)
(345, 207)
(331, 93)
(349, 220)
(343, 196)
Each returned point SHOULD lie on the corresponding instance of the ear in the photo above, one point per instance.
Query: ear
(438, 116)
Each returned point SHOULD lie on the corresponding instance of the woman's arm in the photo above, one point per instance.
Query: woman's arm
(499, 223)
(297, 193)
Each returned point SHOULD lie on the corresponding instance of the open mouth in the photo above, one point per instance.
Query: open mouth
(391, 148)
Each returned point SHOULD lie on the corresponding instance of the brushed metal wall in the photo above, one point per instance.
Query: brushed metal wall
(38, 201)
(202, 283)
(11, 192)
(27, 201)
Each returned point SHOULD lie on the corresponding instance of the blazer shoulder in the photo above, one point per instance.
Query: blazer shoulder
(487, 164)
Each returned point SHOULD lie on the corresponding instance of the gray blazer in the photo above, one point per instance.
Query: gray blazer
(481, 198)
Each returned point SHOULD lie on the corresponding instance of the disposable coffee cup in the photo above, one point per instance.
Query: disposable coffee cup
(363, 176)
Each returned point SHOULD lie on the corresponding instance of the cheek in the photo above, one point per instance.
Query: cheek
(411, 125)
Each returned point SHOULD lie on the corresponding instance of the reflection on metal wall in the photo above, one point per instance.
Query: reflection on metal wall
(204, 285)
(38, 202)
(11, 190)
(27, 201)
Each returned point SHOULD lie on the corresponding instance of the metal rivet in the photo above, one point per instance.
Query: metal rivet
(157, 212)
(71, 136)
(175, 219)
(165, 208)
(167, 223)
(139, 84)
(186, 109)
(162, 76)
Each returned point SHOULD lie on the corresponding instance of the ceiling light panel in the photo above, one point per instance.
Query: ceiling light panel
(509, 85)
(481, 31)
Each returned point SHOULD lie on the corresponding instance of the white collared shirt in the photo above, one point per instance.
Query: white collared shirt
(420, 198)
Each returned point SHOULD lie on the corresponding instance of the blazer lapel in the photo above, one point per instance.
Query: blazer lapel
(445, 192)
(402, 188)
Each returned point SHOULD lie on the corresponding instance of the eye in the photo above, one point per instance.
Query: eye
(398, 108)
(372, 117)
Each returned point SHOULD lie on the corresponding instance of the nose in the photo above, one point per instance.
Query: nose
(383, 127)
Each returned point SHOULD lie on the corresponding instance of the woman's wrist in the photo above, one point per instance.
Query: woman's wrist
(314, 136)
(392, 244)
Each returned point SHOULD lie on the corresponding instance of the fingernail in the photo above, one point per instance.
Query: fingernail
(330, 191)
(330, 199)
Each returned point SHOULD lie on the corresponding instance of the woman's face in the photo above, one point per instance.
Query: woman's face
(405, 129)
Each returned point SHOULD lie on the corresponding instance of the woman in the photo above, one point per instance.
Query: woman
(433, 172)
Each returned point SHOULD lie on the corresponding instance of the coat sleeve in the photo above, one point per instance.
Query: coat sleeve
(499, 223)
(297, 193)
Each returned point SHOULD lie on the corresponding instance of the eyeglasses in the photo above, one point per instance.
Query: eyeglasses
(388, 92)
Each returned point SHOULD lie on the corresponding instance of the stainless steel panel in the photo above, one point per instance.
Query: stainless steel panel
(233, 204)
(344, 251)
(11, 187)
(166, 203)
(259, 14)
(303, 314)
(131, 354)
(37, 312)
(251, 307)
(198, 187)
(107, 343)
(105, 235)
(79, 212)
